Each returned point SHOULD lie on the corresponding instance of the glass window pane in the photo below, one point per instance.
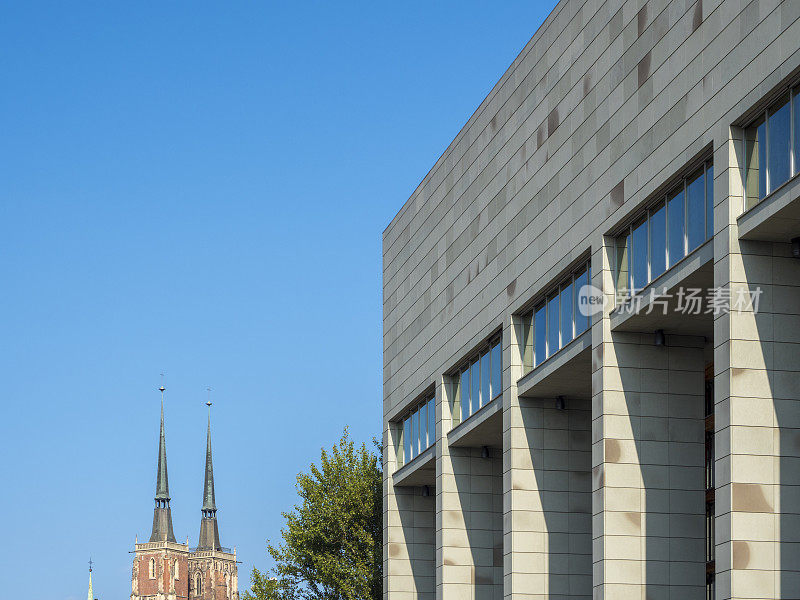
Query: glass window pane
(658, 241)
(497, 370)
(552, 326)
(475, 393)
(540, 334)
(415, 434)
(675, 222)
(431, 422)
(778, 140)
(465, 408)
(485, 378)
(622, 256)
(695, 205)
(567, 303)
(581, 317)
(423, 428)
(639, 257)
(710, 202)
(455, 410)
(797, 130)
(407, 440)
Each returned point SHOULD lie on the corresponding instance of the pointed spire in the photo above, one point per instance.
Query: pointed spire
(162, 482)
(91, 592)
(208, 487)
(209, 531)
(162, 514)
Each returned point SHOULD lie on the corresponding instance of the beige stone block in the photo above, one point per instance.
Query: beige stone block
(752, 526)
(753, 584)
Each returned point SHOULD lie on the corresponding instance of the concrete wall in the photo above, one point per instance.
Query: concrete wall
(606, 105)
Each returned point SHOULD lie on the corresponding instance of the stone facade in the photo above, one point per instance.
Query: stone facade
(651, 457)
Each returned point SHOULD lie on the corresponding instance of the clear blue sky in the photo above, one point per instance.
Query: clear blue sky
(200, 190)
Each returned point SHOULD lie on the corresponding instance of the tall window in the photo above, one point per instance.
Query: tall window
(177, 574)
(417, 432)
(152, 569)
(672, 228)
(557, 319)
(479, 381)
(772, 148)
(198, 585)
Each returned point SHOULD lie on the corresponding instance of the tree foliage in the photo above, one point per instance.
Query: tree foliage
(332, 540)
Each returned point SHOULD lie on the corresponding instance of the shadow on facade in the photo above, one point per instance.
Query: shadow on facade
(560, 443)
(479, 484)
(417, 519)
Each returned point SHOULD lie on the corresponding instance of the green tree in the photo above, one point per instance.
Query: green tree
(332, 540)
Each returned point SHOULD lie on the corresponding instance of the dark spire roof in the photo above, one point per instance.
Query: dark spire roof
(208, 486)
(209, 530)
(162, 514)
(162, 482)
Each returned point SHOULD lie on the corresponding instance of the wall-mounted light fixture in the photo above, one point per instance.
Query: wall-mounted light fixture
(661, 339)
(485, 452)
(426, 491)
(796, 247)
(561, 403)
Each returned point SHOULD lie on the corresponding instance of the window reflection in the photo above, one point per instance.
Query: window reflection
(417, 432)
(556, 322)
(660, 237)
(676, 216)
(478, 383)
(768, 144)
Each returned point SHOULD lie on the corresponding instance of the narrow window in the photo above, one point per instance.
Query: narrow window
(710, 202)
(696, 209)
(423, 428)
(778, 152)
(152, 568)
(415, 434)
(485, 379)
(407, 440)
(497, 370)
(796, 130)
(581, 317)
(540, 333)
(475, 392)
(465, 395)
(639, 257)
(676, 218)
(658, 240)
(552, 326)
(177, 570)
(567, 316)
(431, 422)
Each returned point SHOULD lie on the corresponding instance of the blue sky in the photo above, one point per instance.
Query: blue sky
(200, 190)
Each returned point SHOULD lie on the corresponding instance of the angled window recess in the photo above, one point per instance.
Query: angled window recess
(417, 431)
(478, 381)
(670, 229)
(772, 148)
(555, 320)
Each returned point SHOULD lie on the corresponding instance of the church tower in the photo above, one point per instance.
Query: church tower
(212, 568)
(160, 566)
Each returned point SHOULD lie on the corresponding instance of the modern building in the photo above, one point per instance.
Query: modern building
(639, 438)
(165, 569)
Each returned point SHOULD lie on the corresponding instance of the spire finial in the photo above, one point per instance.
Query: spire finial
(90, 564)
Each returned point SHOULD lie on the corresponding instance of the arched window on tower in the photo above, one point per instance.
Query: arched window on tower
(152, 569)
(177, 574)
(198, 585)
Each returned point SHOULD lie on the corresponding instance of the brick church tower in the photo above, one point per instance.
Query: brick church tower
(212, 569)
(161, 565)
(164, 569)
